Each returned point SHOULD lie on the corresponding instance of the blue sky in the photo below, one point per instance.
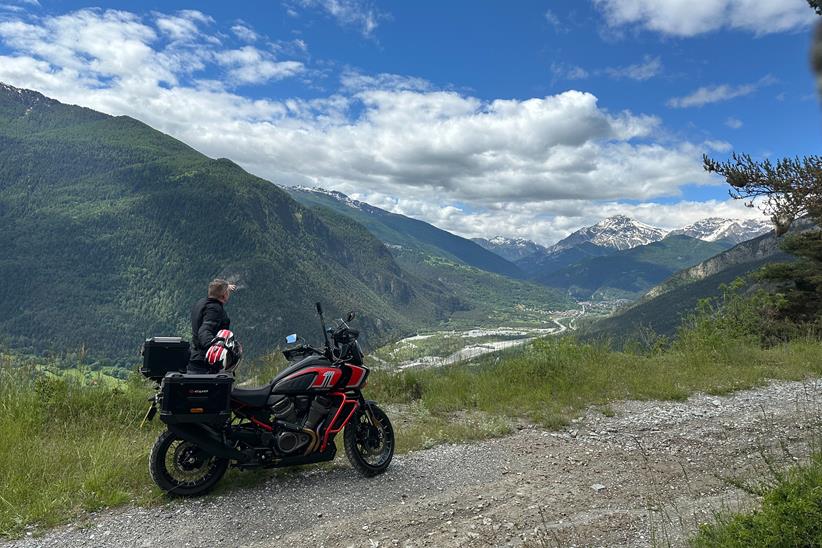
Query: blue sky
(516, 118)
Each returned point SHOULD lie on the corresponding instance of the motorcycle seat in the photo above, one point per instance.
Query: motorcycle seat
(254, 397)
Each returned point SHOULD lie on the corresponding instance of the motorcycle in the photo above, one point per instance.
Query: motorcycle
(293, 420)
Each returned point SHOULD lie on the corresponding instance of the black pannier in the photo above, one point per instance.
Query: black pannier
(195, 398)
(164, 354)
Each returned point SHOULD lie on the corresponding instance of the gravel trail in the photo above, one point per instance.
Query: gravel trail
(647, 474)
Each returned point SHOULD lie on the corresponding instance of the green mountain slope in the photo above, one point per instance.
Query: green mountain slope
(487, 299)
(113, 229)
(408, 233)
(663, 307)
(541, 265)
(631, 272)
(446, 263)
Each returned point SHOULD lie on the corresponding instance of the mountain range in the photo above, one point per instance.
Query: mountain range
(620, 232)
(113, 229)
(511, 249)
(664, 306)
(622, 257)
(628, 273)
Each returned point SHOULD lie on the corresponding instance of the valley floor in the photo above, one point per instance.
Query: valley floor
(443, 348)
(646, 474)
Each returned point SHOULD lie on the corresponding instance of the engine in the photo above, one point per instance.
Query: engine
(289, 442)
(297, 420)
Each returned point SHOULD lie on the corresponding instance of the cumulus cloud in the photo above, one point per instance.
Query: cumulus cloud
(185, 25)
(693, 17)
(548, 222)
(90, 47)
(532, 167)
(249, 65)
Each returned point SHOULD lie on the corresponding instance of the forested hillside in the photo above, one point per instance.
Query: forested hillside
(408, 233)
(482, 293)
(113, 229)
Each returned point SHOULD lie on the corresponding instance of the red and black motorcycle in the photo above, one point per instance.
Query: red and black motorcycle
(292, 420)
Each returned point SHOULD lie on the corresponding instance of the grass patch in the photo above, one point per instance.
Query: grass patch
(553, 379)
(790, 515)
(416, 427)
(69, 446)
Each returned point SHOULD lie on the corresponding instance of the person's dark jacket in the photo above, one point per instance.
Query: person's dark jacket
(207, 317)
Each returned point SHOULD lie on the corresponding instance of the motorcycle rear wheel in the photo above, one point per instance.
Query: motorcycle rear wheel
(182, 469)
(369, 448)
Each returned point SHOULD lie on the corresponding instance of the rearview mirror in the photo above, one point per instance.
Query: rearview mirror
(350, 316)
(291, 339)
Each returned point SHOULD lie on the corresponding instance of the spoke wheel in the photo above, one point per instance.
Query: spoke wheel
(369, 447)
(181, 468)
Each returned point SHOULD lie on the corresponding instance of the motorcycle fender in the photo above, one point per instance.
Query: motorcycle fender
(207, 439)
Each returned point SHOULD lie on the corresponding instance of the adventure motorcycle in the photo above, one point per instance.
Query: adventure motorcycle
(292, 420)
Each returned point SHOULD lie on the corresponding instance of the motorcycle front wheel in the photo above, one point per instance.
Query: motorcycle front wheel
(369, 447)
(182, 469)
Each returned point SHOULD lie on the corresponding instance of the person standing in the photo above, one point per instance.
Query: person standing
(208, 317)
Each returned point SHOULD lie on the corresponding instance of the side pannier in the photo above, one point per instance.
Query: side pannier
(195, 398)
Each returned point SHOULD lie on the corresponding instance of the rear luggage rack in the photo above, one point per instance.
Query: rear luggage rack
(162, 355)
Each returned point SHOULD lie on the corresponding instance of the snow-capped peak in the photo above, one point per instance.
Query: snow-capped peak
(514, 242)
(339, 196)
(735, 231)
(617, 232)
(512, 249)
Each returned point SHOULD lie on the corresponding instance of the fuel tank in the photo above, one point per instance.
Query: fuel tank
(315, 374)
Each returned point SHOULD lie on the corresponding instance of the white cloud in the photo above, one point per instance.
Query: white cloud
(548, 222)
(718, 93)
(360, 14)
(647, 69)
(693, 17)
(718, 146)
(249, 65)
(540, 165)
(183, 26)
(555, 22)
(12, 8)
(357, 81)
(569, 72)
(244, 33)
(93, 46)
(733, 123)
(650, 67)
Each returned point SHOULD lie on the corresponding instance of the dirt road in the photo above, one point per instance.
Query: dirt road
(648, 474)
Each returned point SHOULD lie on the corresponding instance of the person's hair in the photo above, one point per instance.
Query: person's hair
(217, 288)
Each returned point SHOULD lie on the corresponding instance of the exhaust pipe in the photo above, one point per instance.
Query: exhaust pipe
(208, 440)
